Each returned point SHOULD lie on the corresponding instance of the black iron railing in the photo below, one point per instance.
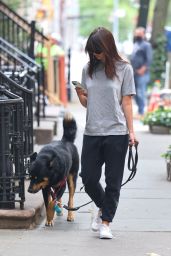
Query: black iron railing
(11, 150)
(27, 120)
(22, 35)
(18, 56)
(17, 31)
(22, 69)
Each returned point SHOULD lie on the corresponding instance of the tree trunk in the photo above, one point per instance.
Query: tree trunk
(143, 13)
(159, 19)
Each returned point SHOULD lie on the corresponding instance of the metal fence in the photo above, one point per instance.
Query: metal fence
(11, 150)
(22, 69)
(27, 120)
(23, 35)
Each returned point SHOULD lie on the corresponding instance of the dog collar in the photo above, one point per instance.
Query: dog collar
(54, 190)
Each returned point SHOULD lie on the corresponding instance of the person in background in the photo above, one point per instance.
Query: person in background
(41, 51)
(45, 53)
(141, 60)
(108, 87)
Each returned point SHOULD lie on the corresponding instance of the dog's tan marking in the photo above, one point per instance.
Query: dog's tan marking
(50, 213)
(68, 116)
(71, 189)
(60, 202)
(60, 205)
(42, 184)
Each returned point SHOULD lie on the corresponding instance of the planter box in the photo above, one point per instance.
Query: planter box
(168, 169)
(157, 129)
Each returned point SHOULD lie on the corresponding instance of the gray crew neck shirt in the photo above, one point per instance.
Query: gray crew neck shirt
(104, 110)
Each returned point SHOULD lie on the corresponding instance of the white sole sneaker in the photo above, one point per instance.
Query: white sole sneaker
(95, 226)
(105, 232)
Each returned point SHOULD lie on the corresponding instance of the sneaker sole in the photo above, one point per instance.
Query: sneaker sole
(105, 237)
(94, 230)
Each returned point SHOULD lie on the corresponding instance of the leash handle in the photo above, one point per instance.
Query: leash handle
(132, 162)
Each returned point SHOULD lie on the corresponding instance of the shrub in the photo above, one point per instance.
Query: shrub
(167, 154)
(161, 117)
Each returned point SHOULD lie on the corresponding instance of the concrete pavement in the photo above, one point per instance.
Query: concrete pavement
(142, 225)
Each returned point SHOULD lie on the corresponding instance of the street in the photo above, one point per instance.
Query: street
(142, 223)
(42, 52)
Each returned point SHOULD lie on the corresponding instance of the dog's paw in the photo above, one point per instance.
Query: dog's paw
(70, 217)
(49, 223)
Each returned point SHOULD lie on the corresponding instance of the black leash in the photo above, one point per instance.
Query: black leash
(132, 167)
(75, 208)
(132, 162)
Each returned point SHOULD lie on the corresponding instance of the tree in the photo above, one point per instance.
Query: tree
(101, 14)
(158, 40)
(143, 13)
(98, 15)
(13, 4)
(159, 59)
(159, 19)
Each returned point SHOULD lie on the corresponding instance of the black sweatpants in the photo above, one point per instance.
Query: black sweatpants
(111, 151)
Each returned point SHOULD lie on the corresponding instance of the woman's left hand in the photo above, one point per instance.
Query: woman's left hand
(132, 139)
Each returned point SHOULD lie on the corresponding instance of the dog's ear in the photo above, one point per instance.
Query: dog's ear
(33, 157)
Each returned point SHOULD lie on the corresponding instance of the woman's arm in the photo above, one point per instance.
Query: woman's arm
(128, 112)
(82, 95)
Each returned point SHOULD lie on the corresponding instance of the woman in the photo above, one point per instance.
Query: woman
(108, 87)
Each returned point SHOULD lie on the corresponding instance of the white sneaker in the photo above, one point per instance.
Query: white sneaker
(96, 222)
(105, 232)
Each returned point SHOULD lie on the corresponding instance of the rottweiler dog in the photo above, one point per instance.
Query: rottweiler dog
(56, 164)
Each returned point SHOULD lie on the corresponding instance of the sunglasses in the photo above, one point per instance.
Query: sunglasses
(97, 51)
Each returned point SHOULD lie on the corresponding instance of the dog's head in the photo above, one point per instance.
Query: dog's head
(45, 170)
(39, 176)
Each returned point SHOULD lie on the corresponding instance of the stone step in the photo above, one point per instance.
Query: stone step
(45, 131)
(24, 219)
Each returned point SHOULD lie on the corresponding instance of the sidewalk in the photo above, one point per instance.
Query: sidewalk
(142, 223)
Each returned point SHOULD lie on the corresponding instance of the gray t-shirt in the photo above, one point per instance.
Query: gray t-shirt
(104, 111)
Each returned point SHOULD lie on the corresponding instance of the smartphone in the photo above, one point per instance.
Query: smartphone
(77, 84)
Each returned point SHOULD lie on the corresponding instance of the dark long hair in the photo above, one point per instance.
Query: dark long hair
(102, 40)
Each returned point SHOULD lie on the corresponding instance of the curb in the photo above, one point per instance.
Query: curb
(24, 219)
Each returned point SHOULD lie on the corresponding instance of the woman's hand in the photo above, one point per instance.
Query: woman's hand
(127, 108)
(80, 91)
(82, 95)
(132, 139)
(141, 71)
